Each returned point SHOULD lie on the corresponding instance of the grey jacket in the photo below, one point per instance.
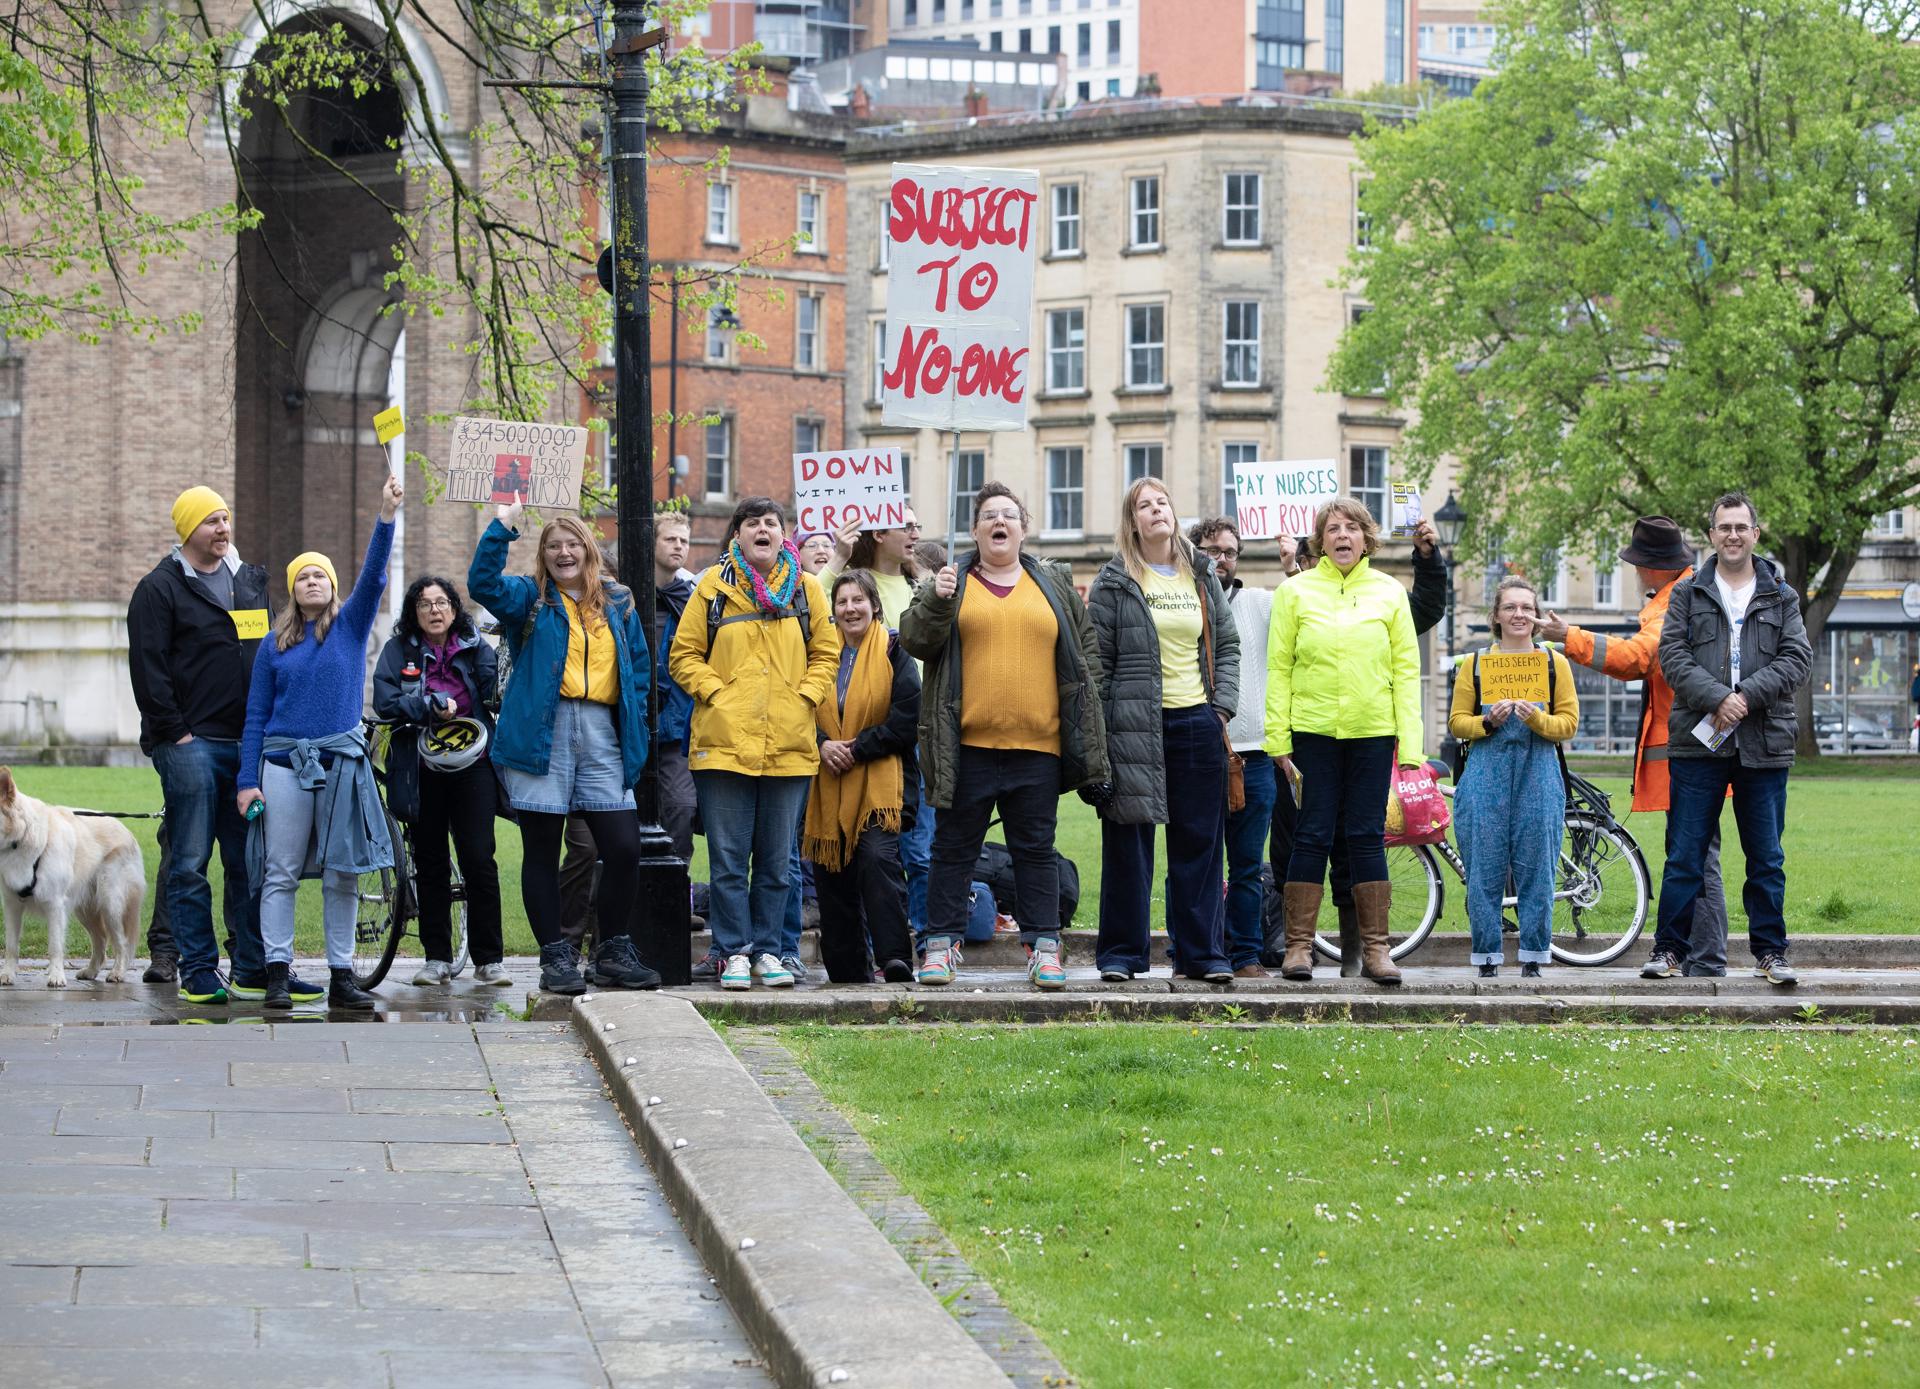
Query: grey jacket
(1696, 659)
(349, 827)
(1130, 682)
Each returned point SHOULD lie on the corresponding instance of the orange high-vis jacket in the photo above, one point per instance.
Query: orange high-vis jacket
(1637, 658)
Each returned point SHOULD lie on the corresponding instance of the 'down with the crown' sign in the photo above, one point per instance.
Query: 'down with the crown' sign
(501, 461)
(834, 489)
(1281, 498)
(959, 296)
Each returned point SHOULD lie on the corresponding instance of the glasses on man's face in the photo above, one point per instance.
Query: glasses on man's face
(912, 528)
(1220, 552)
(1732, 530)
(1000, 516)
(434, 605)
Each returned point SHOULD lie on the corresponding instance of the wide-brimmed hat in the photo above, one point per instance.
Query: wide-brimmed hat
(1658, 544)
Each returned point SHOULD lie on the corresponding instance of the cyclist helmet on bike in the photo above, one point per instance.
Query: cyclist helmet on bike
(453, 745)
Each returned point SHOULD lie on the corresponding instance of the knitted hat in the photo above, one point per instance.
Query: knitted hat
(318, 561)
(192, 507)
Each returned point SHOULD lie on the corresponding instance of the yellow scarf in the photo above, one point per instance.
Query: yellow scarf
(839, 807)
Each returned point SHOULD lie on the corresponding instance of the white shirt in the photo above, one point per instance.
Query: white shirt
(1735, 601)
(1252, 613)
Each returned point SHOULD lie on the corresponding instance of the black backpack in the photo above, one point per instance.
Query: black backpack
(995, 869)
(798, 608)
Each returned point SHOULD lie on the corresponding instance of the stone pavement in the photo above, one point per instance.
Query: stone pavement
(346, 1204)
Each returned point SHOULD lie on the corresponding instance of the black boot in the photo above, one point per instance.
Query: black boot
(560, 970)
(163, 969)
(343, 992)
(617, 965)
(277, 996)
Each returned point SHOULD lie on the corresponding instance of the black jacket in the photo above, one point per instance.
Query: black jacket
(897, 735)
(1696, 657)
(189, 666)
(405, 702)
(1428, 601)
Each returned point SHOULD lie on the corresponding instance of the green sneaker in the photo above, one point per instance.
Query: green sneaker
(204, 987)
(248, 988)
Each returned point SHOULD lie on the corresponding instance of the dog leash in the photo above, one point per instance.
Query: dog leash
(117, 814)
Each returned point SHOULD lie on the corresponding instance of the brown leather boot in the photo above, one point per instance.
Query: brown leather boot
(1370, 902)
(1302, 901)
(1349, 940)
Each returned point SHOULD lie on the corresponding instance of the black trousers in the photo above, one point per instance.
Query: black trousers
(1025, 788)
(460, 804)
(862, 906)
(615, 834)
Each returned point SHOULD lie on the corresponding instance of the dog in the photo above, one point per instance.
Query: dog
(59, 865)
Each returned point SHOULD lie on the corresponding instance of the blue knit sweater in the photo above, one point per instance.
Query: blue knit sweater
(316, 690)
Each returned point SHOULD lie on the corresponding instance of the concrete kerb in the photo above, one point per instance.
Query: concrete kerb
(823, 1295)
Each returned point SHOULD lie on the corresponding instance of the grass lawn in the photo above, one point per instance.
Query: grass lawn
(1851, 865)
(1172, 1205)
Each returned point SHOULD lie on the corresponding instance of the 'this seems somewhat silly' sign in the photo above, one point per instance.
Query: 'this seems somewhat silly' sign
(867, 486)
(1281, 498)
(960, 296)
(500, 461)
(1520, 675)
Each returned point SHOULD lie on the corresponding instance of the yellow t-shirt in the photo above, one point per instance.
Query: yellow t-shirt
(592, 670)
(1175, 606)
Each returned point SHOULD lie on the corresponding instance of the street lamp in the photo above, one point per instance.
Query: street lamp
(1449, 521)
(721, 321)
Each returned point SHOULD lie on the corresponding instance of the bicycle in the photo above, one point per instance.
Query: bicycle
(1600, 901)
(389, 898)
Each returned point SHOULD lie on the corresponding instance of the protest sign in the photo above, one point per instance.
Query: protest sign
(1281, 498)
(388, 425)
(868, 486)
(1520, 675)
(1404, 508)
(960, 296)
(499, 461)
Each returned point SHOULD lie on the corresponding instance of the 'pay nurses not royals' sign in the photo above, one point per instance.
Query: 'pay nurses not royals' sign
(960, 296)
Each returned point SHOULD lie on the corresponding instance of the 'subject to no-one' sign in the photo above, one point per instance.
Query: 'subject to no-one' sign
(500, 461)
(959, 296)
(832, 489)
(1281, 498)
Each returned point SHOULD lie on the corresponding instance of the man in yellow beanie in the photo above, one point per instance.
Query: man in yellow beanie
(191, 632)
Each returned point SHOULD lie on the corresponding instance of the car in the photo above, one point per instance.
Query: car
(1853, 733)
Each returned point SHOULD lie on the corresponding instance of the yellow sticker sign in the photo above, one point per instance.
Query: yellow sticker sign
(388, 426)
(250, 623)
(1520, 675)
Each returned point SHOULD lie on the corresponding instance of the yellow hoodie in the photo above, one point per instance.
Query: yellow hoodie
(1342, 660)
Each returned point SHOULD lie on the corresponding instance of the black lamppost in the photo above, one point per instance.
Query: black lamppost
(1449, 521)
(661, 914)
(723, 321)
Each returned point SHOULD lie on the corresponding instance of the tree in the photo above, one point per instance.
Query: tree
(92, 90)
(1664, 252)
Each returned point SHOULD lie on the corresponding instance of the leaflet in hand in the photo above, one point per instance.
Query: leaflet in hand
(1711, 736)
(1405, 509)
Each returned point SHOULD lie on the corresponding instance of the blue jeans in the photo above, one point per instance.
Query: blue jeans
(1760, 811)
(1247, 830)
(197, 785)
(916, 852)
(799, 878)
(749, 823)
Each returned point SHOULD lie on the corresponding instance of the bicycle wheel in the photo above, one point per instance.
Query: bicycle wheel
(459, 915)
(1418, 895)
(1602, 894)
(386, 904)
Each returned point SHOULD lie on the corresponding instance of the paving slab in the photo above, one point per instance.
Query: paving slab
(438, 1067)
(420, 1220)
(128, 1248)
(526, 1291)
(351, 1249)
(458, 1102)
(265, 1152)
(364, 1128)
(86, 1070)
(302, 1332)
(407, 1188)
(26, 1150)
(191, 1285)
(92, 1121)
(244, 1099)
(97, 1179)
(68, 1367)
(153, 1328)
(31, 1284)
(490, 1370)
(454, 1157)
(26, 1120)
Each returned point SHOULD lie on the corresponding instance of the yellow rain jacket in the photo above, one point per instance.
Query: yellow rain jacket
(754, 693)
(1342, 660)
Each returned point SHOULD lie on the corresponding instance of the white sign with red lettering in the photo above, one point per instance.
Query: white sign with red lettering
(959, 296)
(835, 488)
(1281, 498)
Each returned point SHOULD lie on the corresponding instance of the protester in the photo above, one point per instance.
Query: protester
(864, 796)
(192, 628)
(671, 538)
(572, 735)
(1661, 558)
(758, 655)
(1734, 649)
(1009, 719)
(1428, 604)
(1511, 803)
(1290, 555)
(1343, 686)
(1248, 827)
(304, 752)
(436, 671)
(1170, 661)
(931, 556)
(815, 549)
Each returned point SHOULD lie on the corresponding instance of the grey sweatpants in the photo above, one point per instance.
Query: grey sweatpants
(289, 831)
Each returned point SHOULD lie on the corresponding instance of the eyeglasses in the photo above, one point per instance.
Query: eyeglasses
(999, 516)
(432, 605)
(1733, 530)
(912, 528)
(1219, 552)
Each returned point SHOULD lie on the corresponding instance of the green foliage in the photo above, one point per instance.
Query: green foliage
(1663, 252)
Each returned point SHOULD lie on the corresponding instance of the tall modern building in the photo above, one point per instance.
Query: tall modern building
(1225, 47)
(1101, 39)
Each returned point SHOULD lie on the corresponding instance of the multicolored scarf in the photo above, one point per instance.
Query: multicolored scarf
(777, 595)
(840, 807)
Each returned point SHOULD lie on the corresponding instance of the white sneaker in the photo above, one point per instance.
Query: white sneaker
(432, 973)
(772, 973)
(494, 974)
(738, 972)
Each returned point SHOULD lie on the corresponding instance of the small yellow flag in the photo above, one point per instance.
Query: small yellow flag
(388, 426)
(250, 623)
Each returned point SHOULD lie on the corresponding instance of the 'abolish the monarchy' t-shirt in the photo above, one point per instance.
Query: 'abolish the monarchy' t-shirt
(1174, 603)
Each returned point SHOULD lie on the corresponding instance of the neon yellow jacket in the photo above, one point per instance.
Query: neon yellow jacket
(1342, 660)
(754, 693)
